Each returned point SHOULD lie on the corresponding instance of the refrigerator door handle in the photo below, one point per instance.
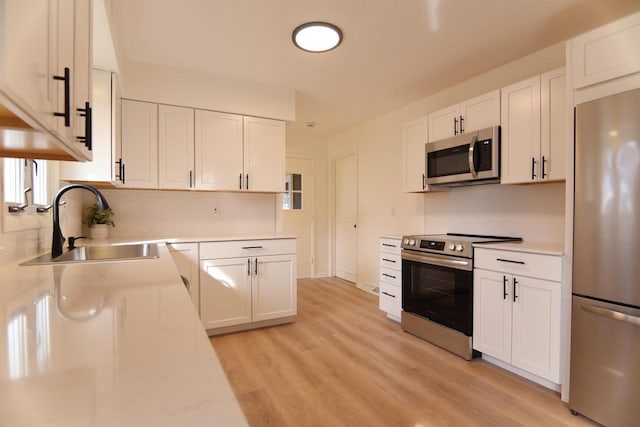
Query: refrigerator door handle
(612, 314)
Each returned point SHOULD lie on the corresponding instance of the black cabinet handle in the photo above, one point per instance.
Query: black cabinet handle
(124, 169)
(252, 247)
(388, 294)
(389, 260)
(67, 96)
(256, 270)
(533, 168)
(190, 179)
(504, 287)
(455, 125)
(544, 173)
(424, 185)
(515, 282)
(246, 182)
(249, 267)
(388, 275)
(119, 174)
(389, 245)
(87, 113)
(461, 124)
(240, 182)
(509, 260)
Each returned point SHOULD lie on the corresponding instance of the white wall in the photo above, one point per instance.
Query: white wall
(154, 83)
(160, 214)
(535, 212)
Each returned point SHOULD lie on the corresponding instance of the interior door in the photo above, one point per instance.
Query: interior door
(298, 208)
(346, 213)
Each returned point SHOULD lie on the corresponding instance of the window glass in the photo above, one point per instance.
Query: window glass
(13, 179)
(292, 198)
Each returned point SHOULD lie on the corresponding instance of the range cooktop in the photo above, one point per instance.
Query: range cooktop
(452, 244)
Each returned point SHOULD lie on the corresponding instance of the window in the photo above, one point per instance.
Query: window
(21, 177)
(292, 198)
(13, 174)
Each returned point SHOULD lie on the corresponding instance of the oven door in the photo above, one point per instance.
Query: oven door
(439, 288)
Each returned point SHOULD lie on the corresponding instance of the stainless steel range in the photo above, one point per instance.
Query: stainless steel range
(437, 288)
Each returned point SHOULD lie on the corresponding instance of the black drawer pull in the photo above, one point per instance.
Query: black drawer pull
(389, 260)
(388, 294)
(509, 260)
(252, 247)
(388, 275)
(388, 245)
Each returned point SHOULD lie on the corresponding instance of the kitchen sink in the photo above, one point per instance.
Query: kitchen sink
(100, 253)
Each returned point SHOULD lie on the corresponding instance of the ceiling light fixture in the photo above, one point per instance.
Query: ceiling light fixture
(317, 37)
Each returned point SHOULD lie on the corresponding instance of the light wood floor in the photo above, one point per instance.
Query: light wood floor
(343, 363)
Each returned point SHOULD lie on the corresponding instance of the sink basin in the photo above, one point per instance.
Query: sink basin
(100, 253)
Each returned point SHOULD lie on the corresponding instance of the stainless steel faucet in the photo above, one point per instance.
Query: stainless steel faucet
(58, 238)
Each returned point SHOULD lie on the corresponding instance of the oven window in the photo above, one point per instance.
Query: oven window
(447, 162)
(441, 294)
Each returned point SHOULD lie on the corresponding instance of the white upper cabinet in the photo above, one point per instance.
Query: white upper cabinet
(100, 168)
(533, 129)
(175, 147)
(218, 151)
(476, 113)
(606, 53)
(414, 139)
(264, 155)
(139, 144)
(45, 65)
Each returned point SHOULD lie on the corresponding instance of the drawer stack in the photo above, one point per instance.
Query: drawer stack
(391, 277)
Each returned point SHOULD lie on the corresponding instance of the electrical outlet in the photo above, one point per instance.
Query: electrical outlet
(216, 209)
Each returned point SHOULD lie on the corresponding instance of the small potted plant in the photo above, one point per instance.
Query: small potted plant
(97, 220)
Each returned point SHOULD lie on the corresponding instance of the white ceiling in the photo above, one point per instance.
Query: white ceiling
(393, 53)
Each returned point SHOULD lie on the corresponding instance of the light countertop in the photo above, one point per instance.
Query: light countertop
(556, 249)
(186, 239)
(107, 344)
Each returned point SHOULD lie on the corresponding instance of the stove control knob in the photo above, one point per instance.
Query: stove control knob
(406, 241)
(452, 247)
(412, 242)
(459, 248)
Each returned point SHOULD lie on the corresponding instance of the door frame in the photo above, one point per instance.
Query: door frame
(333, 158)
(312, 235)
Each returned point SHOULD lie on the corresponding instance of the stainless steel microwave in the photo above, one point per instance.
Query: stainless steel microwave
(467, 159)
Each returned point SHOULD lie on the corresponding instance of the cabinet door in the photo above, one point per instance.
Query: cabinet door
(28, 38)
(63, 55)
(414, 138)
(140, 144)
(175, 147)
(492, 314)
(520, 122)
(218, 151)
(536, 328)
(444, 123)
(185, 257)
(82, 63)
(274, 287)
(480, 112)
(553, 131)
(99, 168)
(264, 155)
(225, 292)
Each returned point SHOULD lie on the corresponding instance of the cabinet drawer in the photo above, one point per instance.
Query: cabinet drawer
(547, 267)
(391, 299)
(391, 246)
(250, 248)
(393, 277)
(392, 261)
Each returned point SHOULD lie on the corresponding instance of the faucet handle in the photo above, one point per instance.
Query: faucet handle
(72, 241)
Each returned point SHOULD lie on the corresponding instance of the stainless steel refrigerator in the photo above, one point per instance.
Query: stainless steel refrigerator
(605, 323)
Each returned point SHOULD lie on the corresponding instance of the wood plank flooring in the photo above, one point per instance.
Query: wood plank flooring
(343, 363)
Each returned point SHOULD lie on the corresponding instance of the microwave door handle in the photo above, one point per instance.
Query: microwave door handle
(472, 166)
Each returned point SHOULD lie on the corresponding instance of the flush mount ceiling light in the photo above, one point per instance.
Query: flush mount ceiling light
(317, 36)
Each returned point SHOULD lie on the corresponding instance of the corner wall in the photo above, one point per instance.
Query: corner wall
(535, 212)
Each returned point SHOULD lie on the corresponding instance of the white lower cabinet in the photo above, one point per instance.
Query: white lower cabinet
(247, 283)
(391, 277)
(516, 318)
(185, 257)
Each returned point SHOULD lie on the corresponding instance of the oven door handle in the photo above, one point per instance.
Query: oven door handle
(450, 262)
(472, 166)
